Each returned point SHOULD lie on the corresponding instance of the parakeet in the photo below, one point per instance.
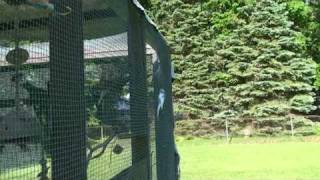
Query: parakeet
(161, 98)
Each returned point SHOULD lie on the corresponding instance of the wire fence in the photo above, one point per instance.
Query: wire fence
(82, 93)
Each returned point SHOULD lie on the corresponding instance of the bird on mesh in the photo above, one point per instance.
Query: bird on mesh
(161, 99)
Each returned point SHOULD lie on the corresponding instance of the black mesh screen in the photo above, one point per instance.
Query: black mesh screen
(76, 101)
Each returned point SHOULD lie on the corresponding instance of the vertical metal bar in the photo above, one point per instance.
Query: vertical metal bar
(17, 68)
(292, 126)
(101, 132)
(67, 92)
(227, 130)
(138, 96)
(166, 152)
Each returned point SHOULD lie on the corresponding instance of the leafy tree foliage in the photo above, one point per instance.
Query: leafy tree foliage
(306, 18)
(145, 3)
(240, 59)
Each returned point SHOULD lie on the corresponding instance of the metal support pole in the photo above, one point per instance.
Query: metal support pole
(66, 90)
(166, 152)
(101, 132)
(292, 126)
(138, 96)
(227, 130)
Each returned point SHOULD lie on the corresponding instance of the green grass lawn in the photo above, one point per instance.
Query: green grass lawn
(211, 159)
(250, 159)
(101, 168)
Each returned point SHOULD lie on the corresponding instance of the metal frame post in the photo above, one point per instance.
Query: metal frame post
(138, 96)
(167, 156)
(67, 92)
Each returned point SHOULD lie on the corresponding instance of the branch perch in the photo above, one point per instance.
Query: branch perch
(103, 146)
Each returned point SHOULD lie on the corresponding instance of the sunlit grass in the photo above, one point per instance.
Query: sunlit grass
(281, 158)
(104, 167)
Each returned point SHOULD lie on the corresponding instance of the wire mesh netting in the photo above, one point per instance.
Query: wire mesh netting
(82, 95)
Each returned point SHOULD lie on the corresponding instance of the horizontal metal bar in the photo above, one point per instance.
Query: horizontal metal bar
(11, 68)
(44, 21)
(10, 103)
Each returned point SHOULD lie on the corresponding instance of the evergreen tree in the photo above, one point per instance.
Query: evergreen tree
(239, 60)
(265, 60)
(315, 37)
(190, 28)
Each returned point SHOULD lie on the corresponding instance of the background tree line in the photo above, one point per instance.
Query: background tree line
(243, 60)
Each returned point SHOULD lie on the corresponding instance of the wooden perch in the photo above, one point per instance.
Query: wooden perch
(102, 147)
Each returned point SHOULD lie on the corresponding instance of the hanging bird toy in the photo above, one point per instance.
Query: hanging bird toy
(17, 56)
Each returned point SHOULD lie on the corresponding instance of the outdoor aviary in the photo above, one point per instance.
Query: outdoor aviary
(85, 92)
(159, 89)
